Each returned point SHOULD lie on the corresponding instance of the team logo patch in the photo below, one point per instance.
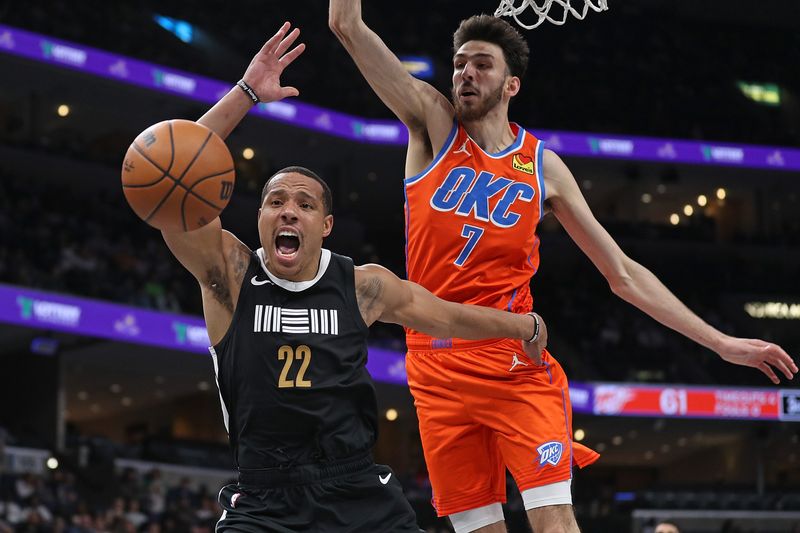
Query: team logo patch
(550, 453)
(522, 163)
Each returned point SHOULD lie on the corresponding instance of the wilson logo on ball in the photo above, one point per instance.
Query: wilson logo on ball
(226, 191)
(149, 139)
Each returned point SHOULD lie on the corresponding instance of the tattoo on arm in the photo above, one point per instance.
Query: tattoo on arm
(239, 259)
(218, 284)
(368, 294)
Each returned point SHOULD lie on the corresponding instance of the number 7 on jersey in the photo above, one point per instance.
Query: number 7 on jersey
(473, 235)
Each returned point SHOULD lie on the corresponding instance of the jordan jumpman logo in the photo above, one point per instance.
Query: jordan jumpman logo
(516, 362)
(463, 149)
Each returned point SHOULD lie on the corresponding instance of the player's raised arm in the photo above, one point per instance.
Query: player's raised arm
(261, 82)
(638, 286)
(420, 106)
(385, 297)
(216, 258)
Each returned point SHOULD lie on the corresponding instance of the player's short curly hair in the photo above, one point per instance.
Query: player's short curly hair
(327, 197)
(497, 31)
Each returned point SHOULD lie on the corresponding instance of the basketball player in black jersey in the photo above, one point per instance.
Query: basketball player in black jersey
(288, 324)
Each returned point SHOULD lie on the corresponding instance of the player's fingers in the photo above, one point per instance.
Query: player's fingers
(781, 354)
(286, 60)
(783, 368)
(765, 368)
(287, 41)
(782, 364)
(275, 39)
(287, 92)
(777, 357)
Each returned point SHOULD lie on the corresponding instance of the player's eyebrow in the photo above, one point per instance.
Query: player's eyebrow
(304, 195)
(277, 191)
(481, 55)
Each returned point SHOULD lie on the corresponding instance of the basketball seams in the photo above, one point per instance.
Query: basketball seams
(178, 180)
(189, 190)
(164, 173)
(196, 155)
(185, 171)
(171, 149)
(214, 175)
(192, 194)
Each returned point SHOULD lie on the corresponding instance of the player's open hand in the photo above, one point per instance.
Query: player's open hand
(761, 355)
(264, 72)
(534, 349)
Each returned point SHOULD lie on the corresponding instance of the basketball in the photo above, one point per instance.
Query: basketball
(178, 175)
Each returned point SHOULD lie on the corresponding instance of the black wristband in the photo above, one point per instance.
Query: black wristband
(248, 91)
(535, 329)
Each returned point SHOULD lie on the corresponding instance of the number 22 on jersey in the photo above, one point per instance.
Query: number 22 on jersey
(289, 355)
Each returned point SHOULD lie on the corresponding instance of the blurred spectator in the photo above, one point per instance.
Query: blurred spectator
(134, 515)
(666, 527)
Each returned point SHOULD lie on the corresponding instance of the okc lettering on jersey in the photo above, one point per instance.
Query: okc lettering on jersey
(469, 195)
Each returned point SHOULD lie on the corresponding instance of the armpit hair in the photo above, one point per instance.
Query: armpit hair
(218, 284)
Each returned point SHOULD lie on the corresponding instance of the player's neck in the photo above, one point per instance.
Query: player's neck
(492, 133)
(307, 272)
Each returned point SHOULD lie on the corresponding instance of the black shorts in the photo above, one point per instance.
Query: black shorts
(348, 496)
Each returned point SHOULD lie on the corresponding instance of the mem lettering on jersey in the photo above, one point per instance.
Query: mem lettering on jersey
(271, 319)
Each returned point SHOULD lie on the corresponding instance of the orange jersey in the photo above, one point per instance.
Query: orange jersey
(471, 222)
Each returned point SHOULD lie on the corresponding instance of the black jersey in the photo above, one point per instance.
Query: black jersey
(291, 369)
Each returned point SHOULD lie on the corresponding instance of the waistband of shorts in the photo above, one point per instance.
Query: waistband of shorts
(418, 342)
(308, 473)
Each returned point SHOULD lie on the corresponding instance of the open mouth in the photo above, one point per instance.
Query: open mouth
(287, 243)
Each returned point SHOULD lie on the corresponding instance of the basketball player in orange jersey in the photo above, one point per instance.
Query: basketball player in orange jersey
(476, 187)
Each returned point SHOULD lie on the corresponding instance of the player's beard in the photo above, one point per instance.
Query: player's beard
(481, 109)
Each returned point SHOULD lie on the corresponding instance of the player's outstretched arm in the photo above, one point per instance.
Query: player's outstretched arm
(216, 258)
(385, 297)
(420, 106)
(263, 76)
(637, 285)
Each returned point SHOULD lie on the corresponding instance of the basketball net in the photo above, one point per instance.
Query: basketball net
(508, 9)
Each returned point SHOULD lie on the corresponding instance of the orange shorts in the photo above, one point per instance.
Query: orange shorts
(487, 409)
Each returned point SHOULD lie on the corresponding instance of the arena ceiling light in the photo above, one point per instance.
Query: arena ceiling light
(179, 28)
(762, 93)
(775, 310)
(418, 66)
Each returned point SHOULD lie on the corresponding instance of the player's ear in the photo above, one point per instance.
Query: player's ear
(327, 225)
(512, 86)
